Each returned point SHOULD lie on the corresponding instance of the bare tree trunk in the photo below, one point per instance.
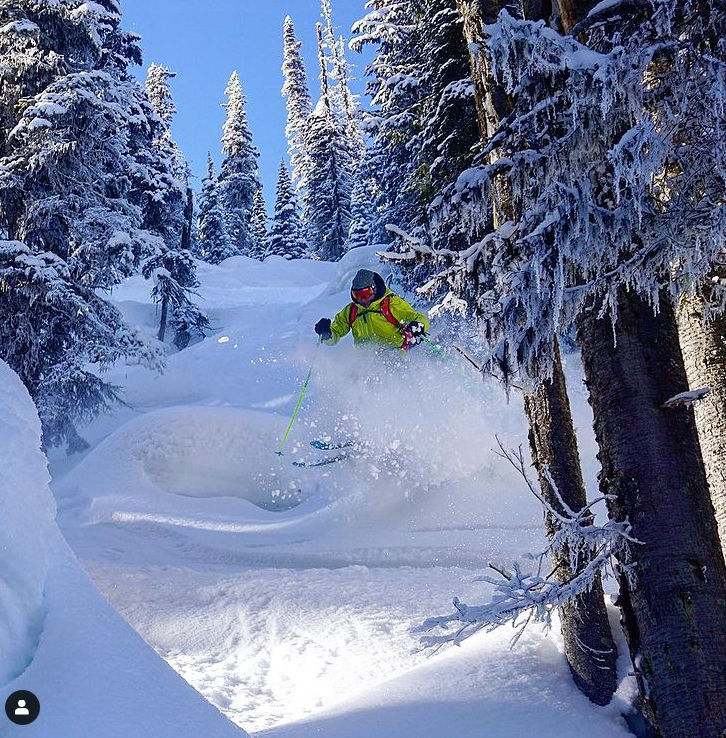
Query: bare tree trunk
(589, 647)
(573, 11)
(186, 239)
(673, 583)
(162, 323)
(704, 355)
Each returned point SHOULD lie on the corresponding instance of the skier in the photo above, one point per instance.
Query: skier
(376, 315)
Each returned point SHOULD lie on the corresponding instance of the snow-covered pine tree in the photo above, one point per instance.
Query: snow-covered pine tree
(158, 90)
(54, 332)
(299, 104)
(393, 89)
(613, 137)
(327, 199)
(38, 44)
(73, 180)
(258, 227)
(423, 124)
(172, 268)
(342, 99)
(286, 236)
(214, 242)
(239, 179)
(589, 646)
(363, 213)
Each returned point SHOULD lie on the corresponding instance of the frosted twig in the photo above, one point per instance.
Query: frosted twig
(521, 597)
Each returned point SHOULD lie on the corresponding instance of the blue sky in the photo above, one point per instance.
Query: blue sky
(204, 41)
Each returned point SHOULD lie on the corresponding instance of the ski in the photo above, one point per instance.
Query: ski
(320, 462)
(332, 446)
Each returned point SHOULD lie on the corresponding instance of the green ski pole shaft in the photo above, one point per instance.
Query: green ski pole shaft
(437, 349)
(300, 399)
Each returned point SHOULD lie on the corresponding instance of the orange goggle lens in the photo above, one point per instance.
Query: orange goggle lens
(365, 294)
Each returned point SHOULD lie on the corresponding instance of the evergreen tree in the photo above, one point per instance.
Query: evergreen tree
(342, 100)
(286, 235)
(610, 138)
(214, 243)
(239, 179)
(172, 266)
(59, 335)
(424, 124)
(362, 212)
(77, 172)
(393, 87)
(38, 45)
(158, 91)
(258, 227)
(327, 199)
(298, 102)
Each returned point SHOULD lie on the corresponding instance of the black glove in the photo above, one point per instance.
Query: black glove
(322, 328)
(417, 330)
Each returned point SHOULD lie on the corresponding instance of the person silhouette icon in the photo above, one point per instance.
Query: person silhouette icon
(22, 707)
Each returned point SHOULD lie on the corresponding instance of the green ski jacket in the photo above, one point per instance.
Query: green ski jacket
(371, 327)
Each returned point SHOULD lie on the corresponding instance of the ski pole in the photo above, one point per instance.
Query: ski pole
(437, 349)
(300, 399)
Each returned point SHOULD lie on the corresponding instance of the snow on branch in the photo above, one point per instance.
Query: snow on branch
(416, 244)
(523, 595)
(687, 398)
(607, 174)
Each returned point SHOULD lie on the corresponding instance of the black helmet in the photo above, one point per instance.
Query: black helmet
(367, 280)
(363, 279)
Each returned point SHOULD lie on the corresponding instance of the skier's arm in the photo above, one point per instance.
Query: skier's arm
(339, 327)
(405, 314)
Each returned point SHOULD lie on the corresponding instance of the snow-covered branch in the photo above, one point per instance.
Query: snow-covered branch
(687, 398)
(606, 175)
(524, 593)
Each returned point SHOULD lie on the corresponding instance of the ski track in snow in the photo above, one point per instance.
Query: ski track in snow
(280, 592)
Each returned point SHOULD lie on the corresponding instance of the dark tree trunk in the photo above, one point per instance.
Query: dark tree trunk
(673, 583)
(704, 355)
(186, 239)
(573, 11)
(182, 337)
(589, 645)
(492, 103)
(162, 322)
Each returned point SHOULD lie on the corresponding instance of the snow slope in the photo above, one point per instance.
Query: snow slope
(59, 638)
(290, 597)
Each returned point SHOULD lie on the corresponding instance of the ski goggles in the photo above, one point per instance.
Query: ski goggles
(364, 294)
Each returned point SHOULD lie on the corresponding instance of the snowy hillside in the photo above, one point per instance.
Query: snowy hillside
(289, 597)
(58, 637)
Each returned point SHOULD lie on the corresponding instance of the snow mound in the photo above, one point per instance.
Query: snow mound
(59, 638)
(345, 269)
(27, 512)
(196, 452)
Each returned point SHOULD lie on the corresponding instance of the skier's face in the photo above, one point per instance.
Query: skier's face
(364, 296)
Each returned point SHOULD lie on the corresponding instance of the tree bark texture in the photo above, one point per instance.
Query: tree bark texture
(589, 647)
(492, 103)
(573, 11)
(673, 583)
(186, 238)
(704, 356)
(162, 323)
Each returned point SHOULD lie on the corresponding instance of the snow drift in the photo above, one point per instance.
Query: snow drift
(59, 638)
(27, 510)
